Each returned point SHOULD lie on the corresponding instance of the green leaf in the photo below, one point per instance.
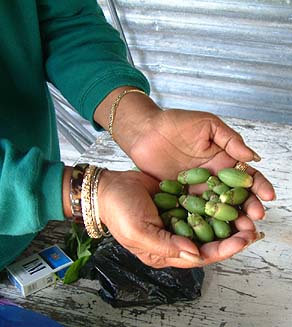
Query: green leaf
(83, 248)
(77, 230)
(80, 247)
(72, 274)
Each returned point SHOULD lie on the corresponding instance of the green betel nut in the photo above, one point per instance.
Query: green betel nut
(221, 211)
(235, 196)
(213, 181)
(203, 231)
(235, 178)
(193, 176)
(165, 201)
(166, 218)
(193, 203)
(221, 228)
(209, 195)
(220, 188)
(179, 213)
(180, 227)
(172, 187)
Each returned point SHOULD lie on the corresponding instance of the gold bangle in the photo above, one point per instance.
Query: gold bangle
(88, 220)
(115, 106)
(94, 201)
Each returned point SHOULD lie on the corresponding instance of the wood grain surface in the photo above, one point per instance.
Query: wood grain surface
(252, 289)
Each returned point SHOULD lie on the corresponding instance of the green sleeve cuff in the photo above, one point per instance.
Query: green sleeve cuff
(51, 204)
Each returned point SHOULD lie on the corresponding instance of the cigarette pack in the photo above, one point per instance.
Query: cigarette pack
(38, 270)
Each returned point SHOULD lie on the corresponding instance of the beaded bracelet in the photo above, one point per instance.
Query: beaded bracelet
(75, 190)
(115, 106)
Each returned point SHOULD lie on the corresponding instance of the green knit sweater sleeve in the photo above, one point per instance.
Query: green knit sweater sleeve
(84, 56)
(30, 190)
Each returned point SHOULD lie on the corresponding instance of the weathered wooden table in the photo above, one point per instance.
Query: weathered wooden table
(252, 289)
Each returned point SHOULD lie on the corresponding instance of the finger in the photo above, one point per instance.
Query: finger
(233, 144)
(261, 186)
(253, 208)
(243, 223)
(220, 161)
(221, 250)
(161, 243)
(161, 262)
(211, 252)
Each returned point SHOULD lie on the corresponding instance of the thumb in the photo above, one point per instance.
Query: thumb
(164, 244)
(232, 142)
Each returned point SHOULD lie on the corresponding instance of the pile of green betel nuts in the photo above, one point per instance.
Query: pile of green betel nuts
(203, 218)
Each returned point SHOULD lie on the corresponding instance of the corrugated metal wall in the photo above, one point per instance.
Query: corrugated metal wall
(232, 58)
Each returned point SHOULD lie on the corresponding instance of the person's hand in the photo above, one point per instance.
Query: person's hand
(127, 209)
(174, 140)
(163, 143)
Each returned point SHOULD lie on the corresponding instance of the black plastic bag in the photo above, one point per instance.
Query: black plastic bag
(126, 281)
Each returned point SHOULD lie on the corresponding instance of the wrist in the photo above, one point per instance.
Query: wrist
(106, 179)
(83, 188)
(133, 114)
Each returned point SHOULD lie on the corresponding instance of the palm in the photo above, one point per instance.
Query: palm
(127, 209)
(177, 141)
(136, 225)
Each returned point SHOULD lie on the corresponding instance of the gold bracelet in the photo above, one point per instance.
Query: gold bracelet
(88, 219)
(243, 166)
(115, 106)
(94, 202)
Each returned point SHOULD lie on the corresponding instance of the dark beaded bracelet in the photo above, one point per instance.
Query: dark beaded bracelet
(75, 190)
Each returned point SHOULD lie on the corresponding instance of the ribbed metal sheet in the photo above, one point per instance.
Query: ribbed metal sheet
(232, 58)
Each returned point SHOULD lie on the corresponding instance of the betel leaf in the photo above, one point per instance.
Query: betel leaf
(83, 248)
(78, 245)
(72, 240)
(72, 274)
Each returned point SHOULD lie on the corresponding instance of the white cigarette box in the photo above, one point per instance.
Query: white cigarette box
(39, 270)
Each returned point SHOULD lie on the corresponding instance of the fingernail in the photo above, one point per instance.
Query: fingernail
(247, 245)
(196, 259)
(256, 157)
(259, 236)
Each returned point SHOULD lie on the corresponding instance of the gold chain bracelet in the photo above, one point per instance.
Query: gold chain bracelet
(115, 106)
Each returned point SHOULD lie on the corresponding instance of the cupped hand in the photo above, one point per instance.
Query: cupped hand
(174, 140)
(127, 209)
